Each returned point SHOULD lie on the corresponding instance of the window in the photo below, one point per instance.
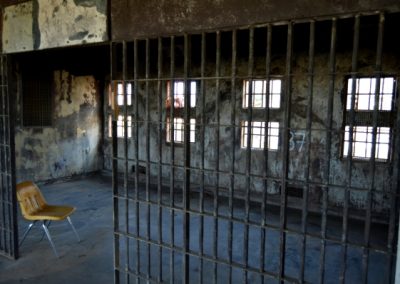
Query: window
(178, 110)
(259, 93)
(364, 107)
(362, 142)
(257, 139)
(179, 130)
(120, 126)
(119, 88)
(36, 99)
(179, 94)
(365, 94)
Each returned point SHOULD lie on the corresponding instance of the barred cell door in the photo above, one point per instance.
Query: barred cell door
(8, 215)
(261, 154)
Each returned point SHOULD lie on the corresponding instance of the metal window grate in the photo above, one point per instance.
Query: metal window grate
(212, 211)
(37, 99)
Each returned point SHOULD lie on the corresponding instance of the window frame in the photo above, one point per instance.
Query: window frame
(178, 111)
(364, 118)
(114, 94)
(271, 94)
(262, 135)
(129, 128)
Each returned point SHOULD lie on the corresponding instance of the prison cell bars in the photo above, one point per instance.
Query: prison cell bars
(248, 152)
(233, 146)
(285, 152)
(115, 173)
(325, 189)
(266, 119)
(247, 222)
(354, 61)
(172, 157)
(368, 215)
(202, 137)
(217, 158)
(306, 188)
(8, 221)
(160, 141)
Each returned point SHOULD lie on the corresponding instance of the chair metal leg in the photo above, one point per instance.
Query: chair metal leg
(73, 228)
(49, 238)
(26, 232)
(48, 226)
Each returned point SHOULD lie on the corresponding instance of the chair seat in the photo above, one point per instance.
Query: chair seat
(51, 212)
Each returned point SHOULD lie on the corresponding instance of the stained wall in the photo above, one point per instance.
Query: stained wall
(41, 24)
(218, 154)
(72, 144)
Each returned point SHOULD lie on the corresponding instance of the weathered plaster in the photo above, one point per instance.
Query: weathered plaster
(41, 24)
(17, 28)
(66, 22)
(132, 19)
(71, 146)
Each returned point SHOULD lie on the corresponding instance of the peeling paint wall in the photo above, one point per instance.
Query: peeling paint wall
(41, 24)
(71, 146)
(17, 28)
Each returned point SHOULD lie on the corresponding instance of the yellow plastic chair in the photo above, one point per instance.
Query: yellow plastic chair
(34, 208)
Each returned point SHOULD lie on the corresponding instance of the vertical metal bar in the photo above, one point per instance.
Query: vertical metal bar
(124, 68)
(136, 141)
(12, 172)
(394, 191)
(372, 164)
(113, 61)
(356, 37)
(148, 221)
(217, 114)
(2, 143)
(186, 185)
(3, 187)
(202, 139)
(233, 146)
(306, 188)
(172, 169)
(3, 168)
(266, 149)
(3, 215)
(160, 142)
(325, 188)
(248, 155)
(285, 151)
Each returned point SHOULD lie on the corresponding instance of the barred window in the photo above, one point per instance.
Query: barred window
(178, 98)
(363, 136)
(120, 126)
(257, 137)
(37, 108)
(362, 142)
(179, 130)
(258, 93)
(118, 90)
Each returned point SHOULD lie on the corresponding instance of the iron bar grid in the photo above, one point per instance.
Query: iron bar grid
(8, 207)
(205, 209)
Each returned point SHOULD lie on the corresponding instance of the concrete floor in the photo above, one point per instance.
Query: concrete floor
(91, 260)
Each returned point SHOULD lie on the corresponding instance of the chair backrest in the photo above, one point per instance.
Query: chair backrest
(30, 198)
